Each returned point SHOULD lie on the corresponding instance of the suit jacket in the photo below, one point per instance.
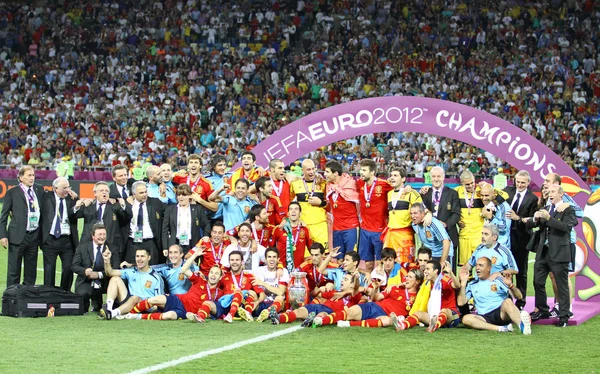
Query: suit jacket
(156, 212)
(558, 232)
(113, 192)
(169, 226)
(15, 206)
(449, 210)
(527, 208)
(113, 217)
(49, 213)
(84, 259)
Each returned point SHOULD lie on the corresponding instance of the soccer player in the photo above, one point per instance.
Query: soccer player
(238, 284)
(171, 272)
(235, 207)
(217, 178)
(494, 212)
(274, 285)
(143, 282)
(442, 314)
(201, 187)
(342, 200)
(399, 233)
(471, 222)
(310, 193)
(395, 299)
(264, 192)
(251, 259)
(495, 309)
(435, 237)
(281, 185)
(372, 194)
(424, 255)
(213, 249)
(315, 279)
(395, 273)
(349, 266)
(248, 171)
(335, 302)
(501, 257)
(293, 240)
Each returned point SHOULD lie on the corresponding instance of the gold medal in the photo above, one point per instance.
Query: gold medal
(335, 205)
(368, 205)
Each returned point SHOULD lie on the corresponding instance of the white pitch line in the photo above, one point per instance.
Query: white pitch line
(215, 351)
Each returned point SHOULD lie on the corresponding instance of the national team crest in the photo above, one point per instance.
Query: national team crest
(378, 189)
(181, 277)
(494, 288)
(494, 260)
(271, 208)
(148, 284)
(302, 234)
(199, 190)
(246, 209)
(428, 234)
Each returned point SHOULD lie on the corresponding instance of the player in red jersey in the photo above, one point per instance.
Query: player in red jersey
(334, 302)
(281, 186)
(248, 171)
(293, 239)
(342, 200)
(444, 314)
(201, 187)
(264, 192)
(239, 284)
(316, 281)
(393, 300)
(262, 232)
(178, 306)
(372, 194)
(213, 249)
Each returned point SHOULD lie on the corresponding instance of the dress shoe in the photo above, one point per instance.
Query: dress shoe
(561, 324)
(520, 304)
(536, 316)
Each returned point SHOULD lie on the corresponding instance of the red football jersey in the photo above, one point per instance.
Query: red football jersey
(274, 210)
(281, 189)
(302, 240)
(243, 281)
(201, 186)
(198, 294)
(212, 255)
(313, 277)
(448, 294)
(395, 301)
(263, 236)
(338, 305)
(373, 218)
(345, 216)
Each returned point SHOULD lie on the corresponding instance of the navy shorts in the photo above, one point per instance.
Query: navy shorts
(262, 306)
(371, 311)
(454, 322)
(494, 317)
(318, 308)
(118, 303)
(221, 311)
(346, 240)
(174, 304)
(370, 245)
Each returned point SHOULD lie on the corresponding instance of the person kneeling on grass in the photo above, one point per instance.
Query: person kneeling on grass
(335, 302)
(394, 300)
(495, 309)
(143, 282)
(441, 310)
(178, 306)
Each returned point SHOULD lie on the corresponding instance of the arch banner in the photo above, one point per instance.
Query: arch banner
(453, 121)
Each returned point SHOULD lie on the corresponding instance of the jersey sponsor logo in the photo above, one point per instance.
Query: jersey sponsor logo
(494, 288)
(148, 284)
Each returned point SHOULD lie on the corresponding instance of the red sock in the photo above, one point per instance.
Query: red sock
(277, 306)
(410, 321)
(374, 322)
(204, 311)
(441, 320)
(288, 317)
(141, 307)
(332, 318)
(154, 316)
(249, 303)
(235, 303)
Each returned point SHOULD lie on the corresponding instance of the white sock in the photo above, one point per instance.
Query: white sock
(115, 312)
(109, 304)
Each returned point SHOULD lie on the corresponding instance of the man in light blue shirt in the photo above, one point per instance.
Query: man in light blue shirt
(218, 164)
(501, 257)
(495, 212)
(235, 207)
(434, 236)
(171, 272)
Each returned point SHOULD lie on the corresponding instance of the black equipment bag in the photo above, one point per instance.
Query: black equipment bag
(35, 301)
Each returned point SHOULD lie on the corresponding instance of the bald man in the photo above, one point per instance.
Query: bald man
(495, 211)
(310, 193)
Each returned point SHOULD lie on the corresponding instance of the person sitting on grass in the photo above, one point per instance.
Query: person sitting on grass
(495, 309)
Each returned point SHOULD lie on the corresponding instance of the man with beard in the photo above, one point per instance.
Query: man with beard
(201, 187)
(495, 212)
(213, 249)
(264, 193)
(251, 258)
(274, 285)
(293, 240)
(248, 171)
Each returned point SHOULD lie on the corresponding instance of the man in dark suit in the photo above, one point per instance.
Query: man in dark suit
(23, 235)
(122, 186)
(553, 255)
(59, 233)
(145, 229)
(523, 204)
(183, 223)
(88, 264)
(443, 202)
(113, 216)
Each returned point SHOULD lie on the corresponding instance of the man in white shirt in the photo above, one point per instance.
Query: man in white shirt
(274, 285)
(252, 258)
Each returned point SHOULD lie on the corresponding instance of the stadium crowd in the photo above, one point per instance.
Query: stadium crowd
(108, 82)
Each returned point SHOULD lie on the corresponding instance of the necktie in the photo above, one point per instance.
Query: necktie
(98, 260)
(140, 217)
(58, 219)
(437, 197)
(551, 210)
(516, 202)
(31, 199)
(99, 213)
(124, 194)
